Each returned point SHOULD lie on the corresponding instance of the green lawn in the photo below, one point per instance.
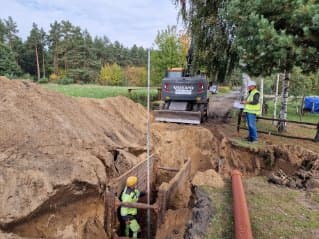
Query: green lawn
(292, 111)
(96, 91)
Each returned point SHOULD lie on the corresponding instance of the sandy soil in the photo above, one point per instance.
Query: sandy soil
(57, 153)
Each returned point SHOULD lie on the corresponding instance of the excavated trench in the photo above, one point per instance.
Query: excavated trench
(190, 210)
(57, 155)
(288, 165)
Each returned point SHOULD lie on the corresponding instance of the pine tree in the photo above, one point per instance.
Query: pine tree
(11, 31)
(54, 40)
(8, 65)
(34, 46)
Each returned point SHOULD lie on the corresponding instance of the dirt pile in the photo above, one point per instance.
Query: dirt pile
(295, 167)
(57, 153)
(290, 165)
(209, 178)
(56, 150)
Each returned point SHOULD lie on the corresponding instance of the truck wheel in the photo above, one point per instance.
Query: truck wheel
(203, 112)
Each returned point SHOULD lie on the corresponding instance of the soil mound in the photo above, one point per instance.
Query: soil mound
(295, 167)
(209, 178)
(55, 150)
(175, 144)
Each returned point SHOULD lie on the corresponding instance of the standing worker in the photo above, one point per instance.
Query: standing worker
(252, 108)
(130, 194)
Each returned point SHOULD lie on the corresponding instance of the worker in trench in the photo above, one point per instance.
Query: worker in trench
(252, 109)
(130, 194)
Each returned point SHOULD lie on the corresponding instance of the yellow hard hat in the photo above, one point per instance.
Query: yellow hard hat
(131, 181)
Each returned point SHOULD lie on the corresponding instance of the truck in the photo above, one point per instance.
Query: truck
(184, 98)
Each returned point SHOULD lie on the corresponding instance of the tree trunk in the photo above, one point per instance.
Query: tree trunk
(262, 111)
(37, 60)
(65, 65)
(43, 64)
(275, 99)
(55, 62)
(215, 76)
(284, 103)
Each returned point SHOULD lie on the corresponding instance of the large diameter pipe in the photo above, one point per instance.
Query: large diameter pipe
(241, 215)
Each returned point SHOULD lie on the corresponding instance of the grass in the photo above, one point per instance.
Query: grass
(275, 212)
(280, 212)
(292, 112)
(100, 92)
(237, 141)
(292, 129)
(314, 195)
(222, 225)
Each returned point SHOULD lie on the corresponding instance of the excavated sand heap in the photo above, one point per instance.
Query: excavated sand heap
(56, 149)
(57, 153)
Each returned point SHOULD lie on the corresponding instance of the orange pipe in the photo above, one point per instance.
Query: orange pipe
(241, 215)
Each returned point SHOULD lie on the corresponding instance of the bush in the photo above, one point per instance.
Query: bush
(111, 75)
(9, 76)
(43, 81)
(54, 77)
(65, 81)
(135, 76)
(83, 75)
(26, 76)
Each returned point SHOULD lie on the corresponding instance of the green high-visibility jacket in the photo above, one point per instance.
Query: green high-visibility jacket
(129, 195)
(249, 108)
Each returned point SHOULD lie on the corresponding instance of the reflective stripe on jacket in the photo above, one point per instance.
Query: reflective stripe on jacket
(249, 108)
(129, 195)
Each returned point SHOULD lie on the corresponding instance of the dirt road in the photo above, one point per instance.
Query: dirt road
(221, 104)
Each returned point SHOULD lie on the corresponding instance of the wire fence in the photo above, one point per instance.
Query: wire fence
(315, 129)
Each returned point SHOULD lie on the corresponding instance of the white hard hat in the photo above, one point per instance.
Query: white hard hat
(251, 83)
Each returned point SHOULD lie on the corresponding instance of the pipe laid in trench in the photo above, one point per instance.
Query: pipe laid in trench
(241, 215)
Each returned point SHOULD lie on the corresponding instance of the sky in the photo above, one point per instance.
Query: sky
(127, 21)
